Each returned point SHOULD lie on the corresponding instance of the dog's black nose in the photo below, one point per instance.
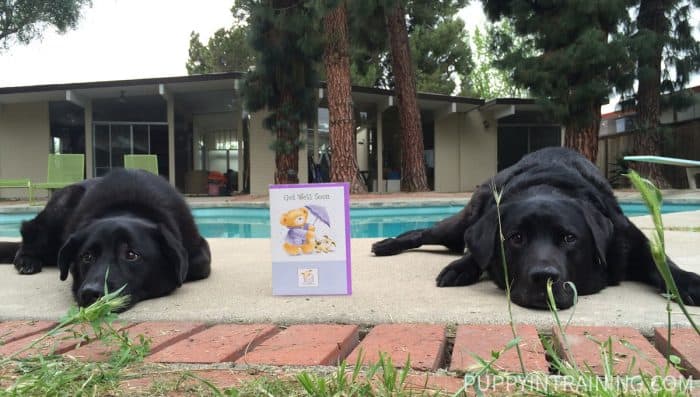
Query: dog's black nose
(540, 275)
(88, 294)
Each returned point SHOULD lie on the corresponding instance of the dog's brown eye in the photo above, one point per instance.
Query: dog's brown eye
(87, 257)
(131, 255)
(569, 238)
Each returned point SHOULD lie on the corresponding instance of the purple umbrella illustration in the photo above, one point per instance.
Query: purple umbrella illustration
(320, 213)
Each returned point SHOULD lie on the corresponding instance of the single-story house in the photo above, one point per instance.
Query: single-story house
(198, 125)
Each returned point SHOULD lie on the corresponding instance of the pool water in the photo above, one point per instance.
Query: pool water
(231, 222)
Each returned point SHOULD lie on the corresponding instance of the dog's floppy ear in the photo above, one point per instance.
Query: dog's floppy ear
(601, 228)
(480, 238)
(66, 255)
(175, 252)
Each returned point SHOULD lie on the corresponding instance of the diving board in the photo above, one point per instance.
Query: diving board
(692, 167)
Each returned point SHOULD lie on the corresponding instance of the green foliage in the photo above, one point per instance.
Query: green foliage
(56, 375)
(284, 81)
(22, 21)
(226, 51)
(486, 80)
(440, 55)
(675, 44)
(570, 57)
(438, 42)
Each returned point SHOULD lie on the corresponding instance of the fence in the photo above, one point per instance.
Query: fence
(682, 141)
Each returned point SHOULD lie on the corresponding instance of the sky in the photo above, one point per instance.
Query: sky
(128, 39)
(116, 39)
(132, 39)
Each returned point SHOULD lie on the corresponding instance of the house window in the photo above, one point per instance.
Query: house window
(514, 141)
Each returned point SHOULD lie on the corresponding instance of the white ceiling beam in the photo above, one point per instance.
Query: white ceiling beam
(165, 92)
(446, 111)
(77, 99)
(504, 112)
(384, 105)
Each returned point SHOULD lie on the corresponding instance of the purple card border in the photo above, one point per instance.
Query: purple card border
(346, 198)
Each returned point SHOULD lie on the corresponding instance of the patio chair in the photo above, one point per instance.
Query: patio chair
(17, 183)
(692, 167)
(148, 162)
(63, 170)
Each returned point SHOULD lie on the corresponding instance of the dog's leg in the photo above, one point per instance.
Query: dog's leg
(643, 268)
(463, 271)
(448, 232)
(199, 262)
(8, 250)
(400, 243)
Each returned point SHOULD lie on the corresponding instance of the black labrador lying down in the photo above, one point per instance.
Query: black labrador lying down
(129, 227)
(560, 221)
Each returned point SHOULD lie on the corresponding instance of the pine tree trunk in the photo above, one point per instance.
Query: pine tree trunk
(582, 134)
(287, 147)
(413, 176)
(286, 163)
(647, 140)
(336, 60)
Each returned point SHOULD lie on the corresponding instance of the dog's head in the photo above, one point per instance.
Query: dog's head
(146, 258)
(545, 238)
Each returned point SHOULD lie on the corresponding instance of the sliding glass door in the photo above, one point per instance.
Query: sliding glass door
(112, 140)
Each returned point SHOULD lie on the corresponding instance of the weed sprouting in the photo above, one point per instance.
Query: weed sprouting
(32, 371)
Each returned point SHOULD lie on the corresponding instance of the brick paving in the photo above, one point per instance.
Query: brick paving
(439, 354)
(631, 352)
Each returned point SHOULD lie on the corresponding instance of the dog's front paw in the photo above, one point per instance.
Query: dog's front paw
(26, 264)
(463, 271)
(389, 246)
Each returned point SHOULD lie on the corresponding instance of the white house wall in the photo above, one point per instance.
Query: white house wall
(447, 169)
(465, 151)
(479, 150)
(24, 148)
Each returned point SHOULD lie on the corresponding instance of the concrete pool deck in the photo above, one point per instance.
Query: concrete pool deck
(385, 289)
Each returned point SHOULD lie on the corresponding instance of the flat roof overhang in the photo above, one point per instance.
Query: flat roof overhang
(79, 93)
(504, 107)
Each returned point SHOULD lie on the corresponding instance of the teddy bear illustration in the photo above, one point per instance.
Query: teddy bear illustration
(300, 234)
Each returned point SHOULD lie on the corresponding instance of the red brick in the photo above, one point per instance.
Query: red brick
(56, 344)
(13, 330)
(685, 343)
(224, 342)
(312, 344)
(161, 334)
(482, 340)
(423, 344)
(583, 350)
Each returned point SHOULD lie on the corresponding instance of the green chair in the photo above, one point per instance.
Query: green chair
(63, 170)
(148, 162)
(17, 183)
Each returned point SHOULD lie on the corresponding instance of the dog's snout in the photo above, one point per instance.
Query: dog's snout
(540, 275)
(89, 294)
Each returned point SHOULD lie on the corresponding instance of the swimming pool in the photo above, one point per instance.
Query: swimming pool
(239, 222)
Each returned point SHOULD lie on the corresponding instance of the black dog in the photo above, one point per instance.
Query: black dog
(128, 228)
(560, 221)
